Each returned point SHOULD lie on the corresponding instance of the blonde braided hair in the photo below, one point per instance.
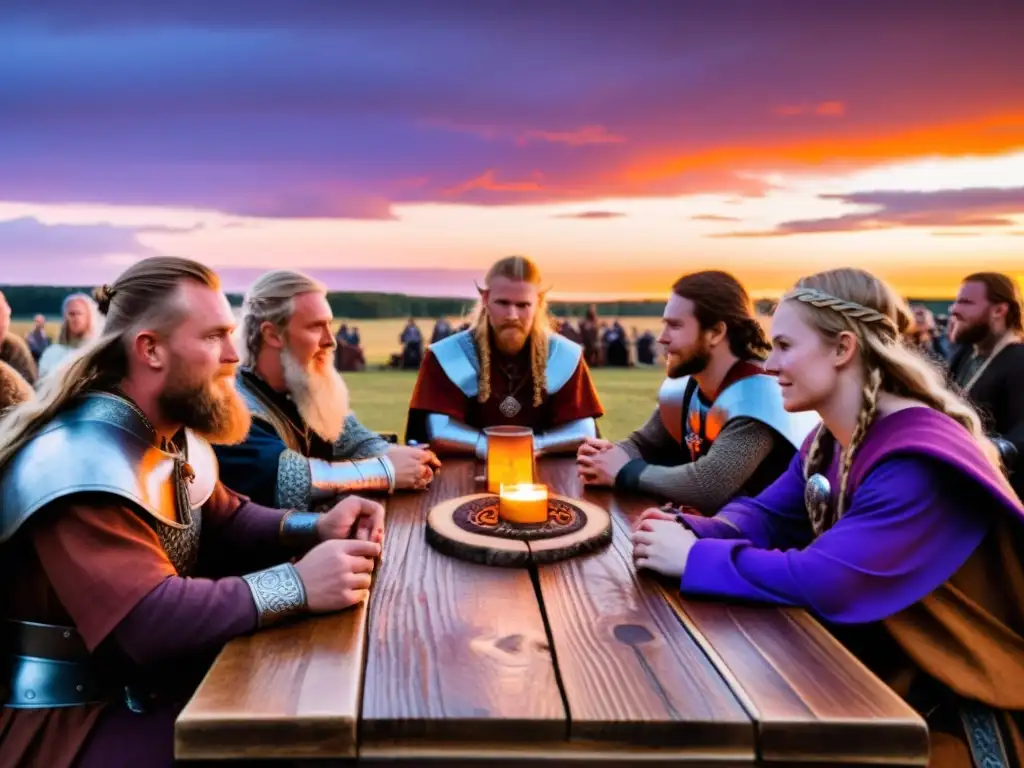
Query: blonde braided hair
(522, 269)
(855, 301)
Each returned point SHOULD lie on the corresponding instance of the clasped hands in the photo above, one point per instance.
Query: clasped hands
(336, 573)
(598, 462)
(661, 543)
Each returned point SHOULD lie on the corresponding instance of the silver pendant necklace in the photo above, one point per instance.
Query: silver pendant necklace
(510, 406)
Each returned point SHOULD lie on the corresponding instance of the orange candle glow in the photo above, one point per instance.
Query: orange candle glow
(509, 456)
(523, 503)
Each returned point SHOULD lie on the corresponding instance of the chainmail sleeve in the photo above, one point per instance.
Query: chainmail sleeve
(652, 442)
(358, 442)
(713, 480)
(294, 481)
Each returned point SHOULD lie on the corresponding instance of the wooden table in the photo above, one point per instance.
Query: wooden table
(580, 661)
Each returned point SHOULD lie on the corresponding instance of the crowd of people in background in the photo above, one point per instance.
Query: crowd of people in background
(947, 340)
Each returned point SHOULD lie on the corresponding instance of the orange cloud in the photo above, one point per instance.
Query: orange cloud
(987, 136)
(488, 181)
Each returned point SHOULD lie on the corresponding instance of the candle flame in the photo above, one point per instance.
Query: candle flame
(524, 491)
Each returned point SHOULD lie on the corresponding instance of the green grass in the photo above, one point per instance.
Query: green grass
(381, 398)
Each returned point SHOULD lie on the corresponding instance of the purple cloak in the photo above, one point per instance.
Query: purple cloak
(921, 498)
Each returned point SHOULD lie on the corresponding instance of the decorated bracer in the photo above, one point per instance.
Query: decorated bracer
(306, 483)
(278, 593)
(455, 437)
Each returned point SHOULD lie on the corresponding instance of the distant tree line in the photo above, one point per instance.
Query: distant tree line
(29, 300)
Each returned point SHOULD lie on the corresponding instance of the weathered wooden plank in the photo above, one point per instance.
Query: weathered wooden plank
(457, 652)
(631, 673)
(812, 700)
(290, 691)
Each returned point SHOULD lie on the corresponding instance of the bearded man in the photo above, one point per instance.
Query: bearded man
(986, 324)
(508, 368)
(112, 609)
(720, 429)
(305, 448)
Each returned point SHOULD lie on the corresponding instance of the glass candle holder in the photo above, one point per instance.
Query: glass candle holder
(523, 503)
(509, 456)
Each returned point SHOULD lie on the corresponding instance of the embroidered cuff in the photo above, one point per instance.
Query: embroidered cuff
(628, 478)
(278, 593)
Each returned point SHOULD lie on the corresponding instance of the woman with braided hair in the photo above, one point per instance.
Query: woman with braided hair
(895, 523)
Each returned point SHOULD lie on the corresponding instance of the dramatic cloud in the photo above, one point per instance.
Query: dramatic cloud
(713, 217)
(591, 215)
(313, 109)
(891, 209)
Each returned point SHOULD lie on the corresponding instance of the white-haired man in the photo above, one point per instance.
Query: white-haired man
(305, 447)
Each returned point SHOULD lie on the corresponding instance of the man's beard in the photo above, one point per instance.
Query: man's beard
(696, 359)
(974, 333)
(509, 338)
(212, 409)
(320, 394)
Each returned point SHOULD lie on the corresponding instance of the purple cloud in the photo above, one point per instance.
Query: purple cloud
(329, 109)
(981, 207)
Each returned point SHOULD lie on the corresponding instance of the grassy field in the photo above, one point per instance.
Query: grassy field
(381, 398)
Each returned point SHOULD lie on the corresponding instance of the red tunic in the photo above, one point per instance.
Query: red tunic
(436, 393)
(92, 562)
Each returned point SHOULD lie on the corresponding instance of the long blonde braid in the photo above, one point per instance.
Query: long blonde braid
(854, 300)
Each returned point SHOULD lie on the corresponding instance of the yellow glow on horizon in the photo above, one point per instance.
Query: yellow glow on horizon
(634, 255)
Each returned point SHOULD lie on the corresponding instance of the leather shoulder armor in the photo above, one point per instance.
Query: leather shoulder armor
(102, 444)
(671, 399)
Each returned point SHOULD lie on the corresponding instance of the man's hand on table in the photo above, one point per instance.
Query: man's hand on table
(598, 462)
(353, 518)
(414, 465)
(337, 573)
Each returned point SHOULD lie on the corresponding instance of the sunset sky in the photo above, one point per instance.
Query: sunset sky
(405, 145)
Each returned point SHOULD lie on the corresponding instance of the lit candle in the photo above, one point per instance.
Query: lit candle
(523, 503)
(509, 456)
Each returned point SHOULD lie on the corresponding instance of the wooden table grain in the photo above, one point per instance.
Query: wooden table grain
(567, 663)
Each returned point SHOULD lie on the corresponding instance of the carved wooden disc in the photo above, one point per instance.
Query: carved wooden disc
(468, 528)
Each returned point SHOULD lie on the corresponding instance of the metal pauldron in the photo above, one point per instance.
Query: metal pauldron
(566, 437)
(278, 593)
(299, 530)
(451, 436)
(330, 478)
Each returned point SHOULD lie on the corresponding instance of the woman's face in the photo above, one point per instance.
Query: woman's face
(801, 359)
(77, 318)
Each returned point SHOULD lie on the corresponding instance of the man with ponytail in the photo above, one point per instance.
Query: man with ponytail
(509, 368)
(108, 486)
(719, 429)
(895, 523)
(305, 447)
